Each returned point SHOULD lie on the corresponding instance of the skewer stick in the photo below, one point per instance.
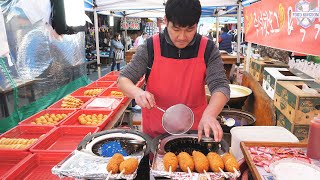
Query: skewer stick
(121, 173)
(109, 174)
(224, 174)
(170, 171)
(236, 171)
(189, 171)
(207, 175)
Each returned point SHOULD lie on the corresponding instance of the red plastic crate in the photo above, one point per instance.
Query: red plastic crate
(80, 91)
(37, 166)
(8, 160)
(57, 105)
(107, 93)
(108, 78)
(101, 84)
(47, 111)
(73, 119)
(27, 132)
(140, 83)
(113, 73)
(63, 139)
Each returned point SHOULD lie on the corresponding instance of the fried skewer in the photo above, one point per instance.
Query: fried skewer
(186, 162)
(201, 162)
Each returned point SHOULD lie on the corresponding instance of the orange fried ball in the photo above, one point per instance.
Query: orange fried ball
(170, 159)
(113, 165)
(230, 162)
(201, 162)
(129, 166)
(185, 162)
(215, 161)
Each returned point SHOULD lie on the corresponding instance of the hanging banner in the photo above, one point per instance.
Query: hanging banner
(130, 24)
(292, 25)
(4, 48)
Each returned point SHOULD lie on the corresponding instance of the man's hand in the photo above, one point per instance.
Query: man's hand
(145, 99)
(207, 124)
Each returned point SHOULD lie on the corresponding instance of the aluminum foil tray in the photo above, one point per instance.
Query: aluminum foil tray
(82, 165)
(157, 170)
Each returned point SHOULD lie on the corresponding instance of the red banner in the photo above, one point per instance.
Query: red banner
(292, 25)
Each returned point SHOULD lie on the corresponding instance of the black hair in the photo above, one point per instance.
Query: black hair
(115, 36)
(183, 12)
(224, 29)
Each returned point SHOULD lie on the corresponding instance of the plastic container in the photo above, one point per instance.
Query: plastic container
(37, 166)
(32, 118)
(63, 139)
(101, 103)
(8, 160)
(313, 148)
(107, 93)
(101, 84)
(259, 134)
(80, 91)
(108, 78)
(27, 132)
(57, 105)
(73, 119)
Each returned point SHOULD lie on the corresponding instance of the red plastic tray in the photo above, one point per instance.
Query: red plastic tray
(27, 132)
(47, 111)
(107, 93)
(37, 166)
(80, 91)
(73, 119)
(101, 84)
(63, 139)
(57, 105)
(108, 78)
(9, 160)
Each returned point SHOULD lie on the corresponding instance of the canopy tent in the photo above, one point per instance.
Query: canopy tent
(151, 8)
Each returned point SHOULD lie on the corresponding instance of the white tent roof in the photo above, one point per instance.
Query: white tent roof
(151, 4)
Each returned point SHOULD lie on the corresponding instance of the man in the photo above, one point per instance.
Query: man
(225, 40)
(178, 63)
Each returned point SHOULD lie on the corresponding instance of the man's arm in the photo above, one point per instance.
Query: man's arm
(131, 74)
(218, 85)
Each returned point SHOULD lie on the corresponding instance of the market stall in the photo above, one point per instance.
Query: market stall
(291, 26)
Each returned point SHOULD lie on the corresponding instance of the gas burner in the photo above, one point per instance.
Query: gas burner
(187, 143)
(106, 143)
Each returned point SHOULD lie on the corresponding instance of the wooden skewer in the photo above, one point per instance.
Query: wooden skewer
(109, 174)
(236, 171)
(224, 174)
(189, 171)
(207, 175)
(121, 173)
(170, 171)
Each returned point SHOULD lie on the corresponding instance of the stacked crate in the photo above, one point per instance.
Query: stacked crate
(295, 108)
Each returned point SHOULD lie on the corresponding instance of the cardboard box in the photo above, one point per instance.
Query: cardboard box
(294, 103)
(301, 131)
(272, 75)
(257, 67)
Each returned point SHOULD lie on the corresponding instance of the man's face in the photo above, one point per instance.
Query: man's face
(181, 36)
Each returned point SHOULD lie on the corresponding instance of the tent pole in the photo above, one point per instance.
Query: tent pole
(96, 33)
(249, 50)
(238, 32)
(125, 33)
(217, 29)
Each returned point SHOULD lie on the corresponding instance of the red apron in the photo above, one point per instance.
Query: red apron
(175, 81)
